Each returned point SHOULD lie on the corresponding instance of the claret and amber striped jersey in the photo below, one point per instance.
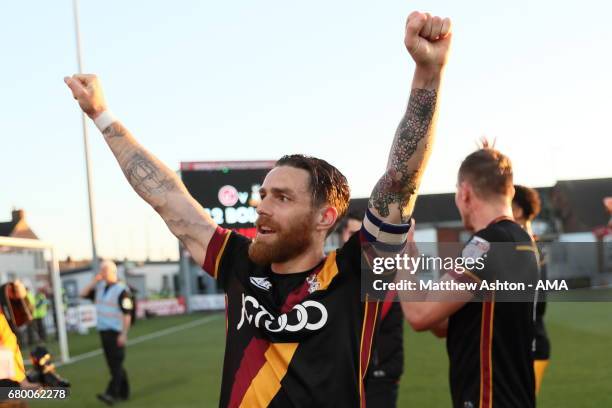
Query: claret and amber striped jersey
(301, 339)
(489, 343)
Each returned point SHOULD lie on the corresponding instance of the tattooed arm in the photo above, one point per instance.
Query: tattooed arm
(157, 184)
(163, 190)
(428, 41)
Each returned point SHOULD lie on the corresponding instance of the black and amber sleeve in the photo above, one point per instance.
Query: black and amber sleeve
(226, 249)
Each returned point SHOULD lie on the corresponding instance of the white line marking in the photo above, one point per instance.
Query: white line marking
(146, 337)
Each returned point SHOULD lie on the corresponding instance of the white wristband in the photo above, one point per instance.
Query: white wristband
(104, 120)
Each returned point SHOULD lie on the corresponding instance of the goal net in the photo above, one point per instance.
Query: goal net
(35, 263)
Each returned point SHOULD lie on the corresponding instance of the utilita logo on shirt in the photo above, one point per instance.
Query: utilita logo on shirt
(308, 315)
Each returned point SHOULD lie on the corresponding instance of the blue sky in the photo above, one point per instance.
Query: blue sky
(204, 80)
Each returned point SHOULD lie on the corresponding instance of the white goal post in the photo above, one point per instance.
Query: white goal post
(22, 243)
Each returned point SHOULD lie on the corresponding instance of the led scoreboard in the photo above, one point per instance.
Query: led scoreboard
(228, 190)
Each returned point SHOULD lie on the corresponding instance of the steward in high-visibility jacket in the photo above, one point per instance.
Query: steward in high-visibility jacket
(114, 306)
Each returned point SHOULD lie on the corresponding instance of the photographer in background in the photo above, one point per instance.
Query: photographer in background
(15, 311)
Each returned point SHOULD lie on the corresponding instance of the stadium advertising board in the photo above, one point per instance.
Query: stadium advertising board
(80, 318)
(207, 302)
(160, 307)
(228, 190)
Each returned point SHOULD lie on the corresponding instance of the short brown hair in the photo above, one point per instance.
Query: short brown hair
(327, 184)
(528, 200)
(488, 171)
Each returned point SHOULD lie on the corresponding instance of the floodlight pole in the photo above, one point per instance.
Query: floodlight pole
(92, 225)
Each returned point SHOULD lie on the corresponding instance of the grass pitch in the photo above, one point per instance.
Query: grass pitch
(183, 368)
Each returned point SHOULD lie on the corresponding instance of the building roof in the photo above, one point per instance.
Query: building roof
(74, 271)
(436, 208)
(578, 204)
(69, 267)
(429, 208)
(17, 227)
(6, 228)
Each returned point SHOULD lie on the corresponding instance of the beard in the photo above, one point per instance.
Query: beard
(290, 241)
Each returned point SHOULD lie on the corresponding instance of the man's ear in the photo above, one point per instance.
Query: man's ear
(464, 192)
(327, 218)
(511, 193)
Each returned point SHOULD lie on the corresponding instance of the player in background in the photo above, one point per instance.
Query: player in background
(298, 331)
(15, 311)
(489, 333)
(387, 360)
(525, 207)
(608, 205)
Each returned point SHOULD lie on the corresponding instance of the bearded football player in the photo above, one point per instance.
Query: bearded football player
(298, 333)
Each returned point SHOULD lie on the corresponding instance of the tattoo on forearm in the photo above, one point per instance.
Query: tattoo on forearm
(183, 228)
(143, 173)
(415, 125)
(159, 187)
(399, 183)
(145, 177)
(393, 187)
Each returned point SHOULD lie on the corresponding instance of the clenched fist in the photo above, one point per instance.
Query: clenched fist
(428, 40)
(86, 89)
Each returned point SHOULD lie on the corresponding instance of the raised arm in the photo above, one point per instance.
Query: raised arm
(157, 184)
(428, 41)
